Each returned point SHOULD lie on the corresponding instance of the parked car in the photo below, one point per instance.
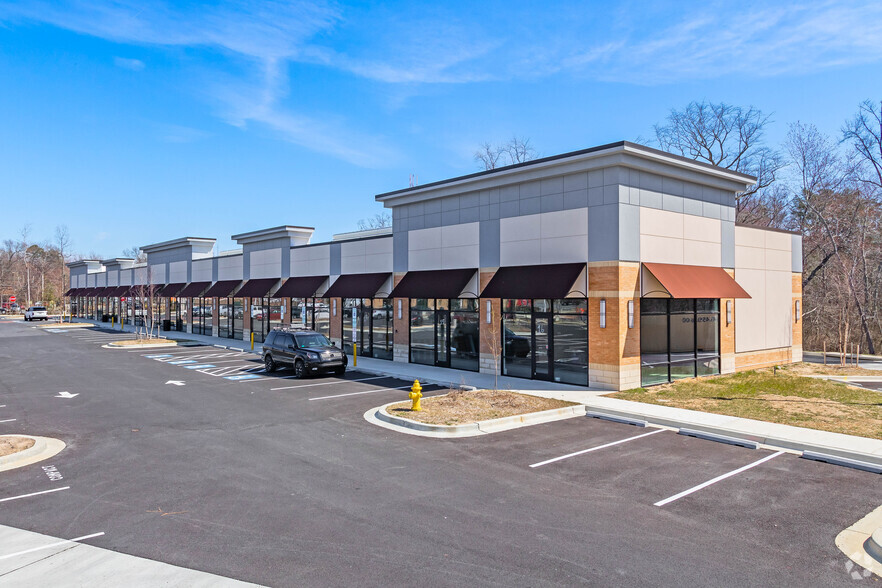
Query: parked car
(306, 351)
(36, 313)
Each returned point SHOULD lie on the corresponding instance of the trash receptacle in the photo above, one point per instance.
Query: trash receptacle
(166, 325)
(179, 325)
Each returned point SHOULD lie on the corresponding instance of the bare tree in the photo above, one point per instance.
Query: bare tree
(135, 253)
(515, 150)
(864, 132)
(378, 221)
(726, 136)
(63, 244)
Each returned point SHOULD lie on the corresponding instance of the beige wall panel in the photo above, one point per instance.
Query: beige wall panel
(265, 264)
(661, 223)
(779, 241)
(520, 252)
(699, 228)
(424, 259)
(702, 253)
(779, 295)
(750, 314)
(564, 223)
(778, 260)
(750, 257)
(202, 271)
(229, 268)
(520, 228)
(177, 272)
(459, 235)
(661, 249)
(750, 237)
(424, 239)
(464, 256)
(311, 261)
(573, 249)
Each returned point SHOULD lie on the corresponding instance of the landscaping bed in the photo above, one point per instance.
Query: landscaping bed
(10, 444)
(459, 407)
(785, 397)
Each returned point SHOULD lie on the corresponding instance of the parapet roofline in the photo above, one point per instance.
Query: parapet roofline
(178, 244)
(281, 232)
(621, 147)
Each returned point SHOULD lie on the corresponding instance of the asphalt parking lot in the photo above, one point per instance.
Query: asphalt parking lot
(195, 457)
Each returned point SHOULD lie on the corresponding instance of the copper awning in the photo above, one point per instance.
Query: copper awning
(668, 280)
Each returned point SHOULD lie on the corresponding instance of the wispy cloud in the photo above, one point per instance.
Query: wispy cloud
(131, 64)
(169, 133)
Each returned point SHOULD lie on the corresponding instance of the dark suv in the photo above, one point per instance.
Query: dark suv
(307, 352)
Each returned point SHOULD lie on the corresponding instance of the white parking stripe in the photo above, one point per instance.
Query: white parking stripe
(717, 479)
(34, 494)
(362, 392)
(7, 421)
(327, 383)
(51, 545)
(619, 442)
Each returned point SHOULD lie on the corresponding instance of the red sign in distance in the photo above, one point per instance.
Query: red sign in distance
(12, 299)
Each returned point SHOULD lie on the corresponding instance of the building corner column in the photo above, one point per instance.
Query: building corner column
(614, 351)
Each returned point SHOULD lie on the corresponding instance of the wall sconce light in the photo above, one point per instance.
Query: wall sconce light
(630, 314)
(728, 312)
(603, 313)
(798, 305)
(334, 302)
(489, 312)
(399, 309)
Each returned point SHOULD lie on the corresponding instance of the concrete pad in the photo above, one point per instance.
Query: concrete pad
(43, 448)
(858, 544)
(80, 564)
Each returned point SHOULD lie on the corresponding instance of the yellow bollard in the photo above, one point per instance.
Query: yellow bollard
(111, 322)
(252, 341)
(354, 355)
(415, 395)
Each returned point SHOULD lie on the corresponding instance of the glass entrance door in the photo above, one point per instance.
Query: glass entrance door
(542, 349)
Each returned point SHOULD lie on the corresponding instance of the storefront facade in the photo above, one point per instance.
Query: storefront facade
(612, 267)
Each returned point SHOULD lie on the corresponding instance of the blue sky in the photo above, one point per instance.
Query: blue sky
(134, 122)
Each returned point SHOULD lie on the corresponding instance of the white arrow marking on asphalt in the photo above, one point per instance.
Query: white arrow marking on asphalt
(66, 395)
(175, 382)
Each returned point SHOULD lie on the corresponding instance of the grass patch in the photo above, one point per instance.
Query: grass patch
(145, 341)
(786, 398)
(460, 407)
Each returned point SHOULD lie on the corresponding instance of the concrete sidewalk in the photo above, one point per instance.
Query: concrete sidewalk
(177, 336)
(32, 559)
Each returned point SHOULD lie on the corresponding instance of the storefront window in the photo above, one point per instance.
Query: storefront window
(224, 318)
(238, 318)
(679, 338)
(445, 332)
(546, 339)
(259, 318)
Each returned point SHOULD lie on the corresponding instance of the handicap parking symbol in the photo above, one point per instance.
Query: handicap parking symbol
(241, 377)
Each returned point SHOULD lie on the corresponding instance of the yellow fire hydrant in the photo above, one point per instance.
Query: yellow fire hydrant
(416, 392)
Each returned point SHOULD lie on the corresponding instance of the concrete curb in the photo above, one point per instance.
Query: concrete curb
(65, 326)
(874, 545)
(774, 435)
(403, 425)
(847, 379)
(43, 448)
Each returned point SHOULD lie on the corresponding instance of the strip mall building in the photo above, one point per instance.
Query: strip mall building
(610, 267)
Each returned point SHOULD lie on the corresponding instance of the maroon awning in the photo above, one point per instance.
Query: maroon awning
(117, 291)
(300, 287)
(434, 284)
(357, 286)
(171, 290)
(222, 289)
(534, 281)
(193, 289)
(257, 288)
(71, 292)
(690, 281)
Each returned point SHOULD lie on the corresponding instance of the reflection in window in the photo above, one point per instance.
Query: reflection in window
(679, 338)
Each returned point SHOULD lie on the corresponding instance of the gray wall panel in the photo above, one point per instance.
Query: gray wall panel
(629, 232)
(603, 222)
(399, 252)
(727, 244)
(336, 262)
(796, 252)
(488, 255)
